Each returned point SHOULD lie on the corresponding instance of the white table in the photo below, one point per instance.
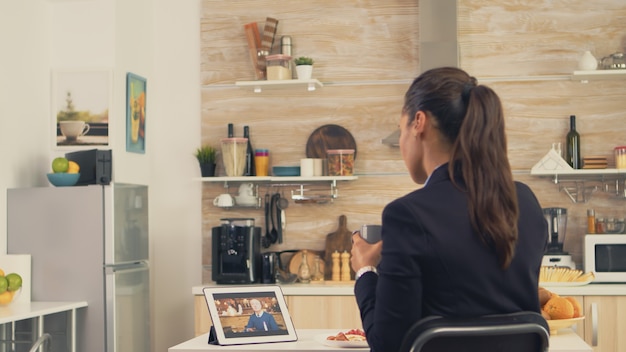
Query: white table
(565, 341)
(27, 310)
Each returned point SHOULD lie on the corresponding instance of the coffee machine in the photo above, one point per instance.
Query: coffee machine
(557, 224)
(236, 251)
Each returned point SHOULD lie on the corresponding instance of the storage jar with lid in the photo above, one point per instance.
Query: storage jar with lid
(340, 162)
(278, 67)
(620, 157)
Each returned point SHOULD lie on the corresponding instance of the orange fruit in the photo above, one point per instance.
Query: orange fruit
(559, 308)
(578, 309)
(6, 297)
(73, 167)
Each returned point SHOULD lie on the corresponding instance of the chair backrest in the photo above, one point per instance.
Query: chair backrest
(515, 332)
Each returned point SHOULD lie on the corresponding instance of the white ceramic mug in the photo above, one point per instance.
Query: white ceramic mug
(318, 167)
(224, 200)
(246, 190)
(73, 129)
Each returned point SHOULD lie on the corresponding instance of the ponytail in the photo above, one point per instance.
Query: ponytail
(481, 151)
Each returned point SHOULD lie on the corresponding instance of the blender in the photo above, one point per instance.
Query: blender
(557, 224)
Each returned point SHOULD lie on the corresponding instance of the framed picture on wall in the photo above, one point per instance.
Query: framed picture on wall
(81, 101)
(135, 113)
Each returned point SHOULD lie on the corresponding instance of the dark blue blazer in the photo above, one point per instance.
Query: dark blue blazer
(433, 263)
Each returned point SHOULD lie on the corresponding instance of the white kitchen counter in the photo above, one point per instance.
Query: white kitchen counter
(330, 288)
(565, 341)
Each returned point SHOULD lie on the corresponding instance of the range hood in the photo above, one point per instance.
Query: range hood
(438, 41)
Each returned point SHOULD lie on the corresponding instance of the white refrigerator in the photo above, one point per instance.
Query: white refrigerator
(87, 243)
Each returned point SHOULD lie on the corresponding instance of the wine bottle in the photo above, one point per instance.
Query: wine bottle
(230, 130)
(573, 145)
(250, 169)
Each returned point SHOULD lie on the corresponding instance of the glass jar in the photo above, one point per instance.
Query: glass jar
(278, 67)
(340, 162)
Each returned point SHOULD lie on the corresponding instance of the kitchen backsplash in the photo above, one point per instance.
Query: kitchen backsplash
(525, 54)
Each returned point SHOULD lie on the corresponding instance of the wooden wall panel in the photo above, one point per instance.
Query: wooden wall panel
(523, 50)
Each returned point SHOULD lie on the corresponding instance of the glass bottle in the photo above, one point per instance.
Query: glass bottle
(318, 275)
(230, 130)
(304, 272)
(591, 221)
(573, 145)
(250, 169)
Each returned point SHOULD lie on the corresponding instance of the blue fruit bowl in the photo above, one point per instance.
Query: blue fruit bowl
(63, 179)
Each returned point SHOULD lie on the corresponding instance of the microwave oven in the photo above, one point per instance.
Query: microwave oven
(605, 256)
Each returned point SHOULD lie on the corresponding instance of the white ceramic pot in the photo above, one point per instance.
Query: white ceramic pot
(587, 62)
(304, 71)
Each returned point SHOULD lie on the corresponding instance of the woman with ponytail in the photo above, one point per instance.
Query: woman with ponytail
(470, 241)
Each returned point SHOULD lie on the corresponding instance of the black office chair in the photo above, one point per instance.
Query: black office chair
(515, 332)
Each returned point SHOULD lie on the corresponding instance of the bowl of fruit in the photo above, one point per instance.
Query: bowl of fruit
(559, 311)
(64, 172)
(10, 287)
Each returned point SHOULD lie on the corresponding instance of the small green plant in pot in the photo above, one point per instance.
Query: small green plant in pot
(304, 67)
(207, 157)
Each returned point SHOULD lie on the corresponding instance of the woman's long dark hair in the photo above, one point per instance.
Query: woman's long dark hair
(470, 117)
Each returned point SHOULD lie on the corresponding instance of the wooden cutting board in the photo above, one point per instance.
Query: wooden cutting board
(340, 240)
(329, 137)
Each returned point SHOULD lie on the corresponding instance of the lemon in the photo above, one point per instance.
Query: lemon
(15, 281)
(6, 297)
(73, 167)
(60, 164)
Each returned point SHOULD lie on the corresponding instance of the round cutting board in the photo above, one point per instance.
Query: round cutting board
(329, 137)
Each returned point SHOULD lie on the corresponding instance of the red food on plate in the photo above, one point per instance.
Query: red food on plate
(351, 335)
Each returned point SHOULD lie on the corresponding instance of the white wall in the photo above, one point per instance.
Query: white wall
(155, 39)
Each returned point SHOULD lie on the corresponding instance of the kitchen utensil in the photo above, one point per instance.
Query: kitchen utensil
(283, 203)
(279, 221)
(296, 260)
(340, 241)
(273, 237)
(329, 137)
(267, 40)
(265, 241)
(254, 45)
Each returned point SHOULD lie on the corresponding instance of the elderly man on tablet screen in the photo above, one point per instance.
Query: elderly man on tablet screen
(260, 320)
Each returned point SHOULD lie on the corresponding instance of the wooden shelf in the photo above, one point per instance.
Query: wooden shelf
(585, 76)
(259, 86)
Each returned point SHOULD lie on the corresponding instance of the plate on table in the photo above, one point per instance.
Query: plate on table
(557, 324)
(341, 344)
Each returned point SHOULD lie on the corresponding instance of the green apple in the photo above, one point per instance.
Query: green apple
(4, 284)
(14, 282)
(60, 164)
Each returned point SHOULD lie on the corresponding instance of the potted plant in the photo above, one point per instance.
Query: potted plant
(304, 67)
(207, 157)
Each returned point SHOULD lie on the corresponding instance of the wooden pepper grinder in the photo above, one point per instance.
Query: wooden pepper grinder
(336, 270)
(345, 266)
